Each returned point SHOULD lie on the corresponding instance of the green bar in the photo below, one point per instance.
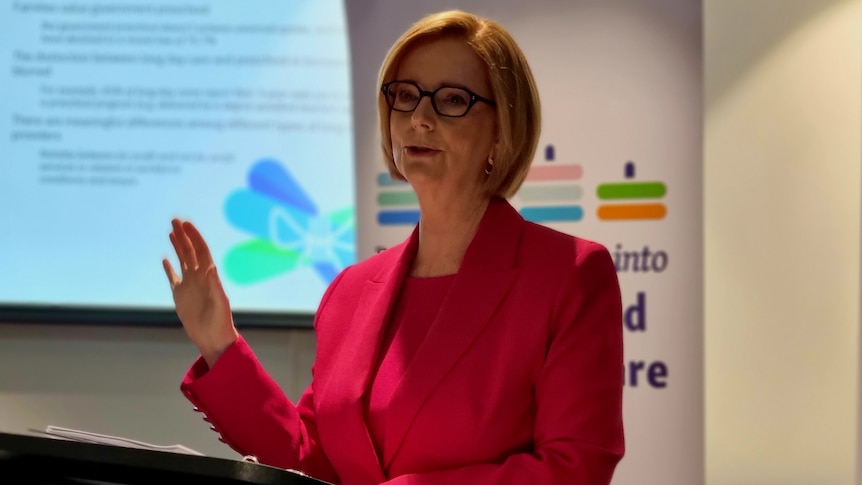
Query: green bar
(634, 190)
(397, 198)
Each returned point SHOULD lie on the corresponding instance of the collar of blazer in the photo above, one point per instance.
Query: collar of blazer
(487, 271)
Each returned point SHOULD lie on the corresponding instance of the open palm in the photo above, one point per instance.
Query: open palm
(199, 298)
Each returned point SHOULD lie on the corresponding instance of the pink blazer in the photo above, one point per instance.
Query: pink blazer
(519, 380)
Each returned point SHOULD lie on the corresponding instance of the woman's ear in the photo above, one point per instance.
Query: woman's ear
(495, 149)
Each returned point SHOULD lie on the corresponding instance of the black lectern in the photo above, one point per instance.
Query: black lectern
(50, 461)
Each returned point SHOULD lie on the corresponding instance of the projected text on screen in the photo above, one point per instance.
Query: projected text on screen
(118, 116)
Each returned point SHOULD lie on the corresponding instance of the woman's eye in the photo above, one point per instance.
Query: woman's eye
(405, 96)
(455, 99)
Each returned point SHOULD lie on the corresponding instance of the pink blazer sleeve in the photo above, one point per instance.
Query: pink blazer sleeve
(252, 414)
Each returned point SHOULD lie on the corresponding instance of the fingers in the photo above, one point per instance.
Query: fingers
(183, 246)
(199, 245)
(215, 284)
(179, 251)
(173, 279)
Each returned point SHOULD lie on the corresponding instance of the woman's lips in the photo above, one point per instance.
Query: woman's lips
(421, 151)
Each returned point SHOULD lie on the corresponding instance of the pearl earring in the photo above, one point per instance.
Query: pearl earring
(490, 167)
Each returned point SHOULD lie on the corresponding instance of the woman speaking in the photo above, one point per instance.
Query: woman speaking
(484, 349)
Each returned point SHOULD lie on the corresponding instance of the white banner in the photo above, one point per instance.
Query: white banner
(619, 162)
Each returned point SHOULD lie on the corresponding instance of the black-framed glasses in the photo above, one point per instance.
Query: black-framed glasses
(449, 101)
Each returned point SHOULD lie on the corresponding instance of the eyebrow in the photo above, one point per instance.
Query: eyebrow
(444, 84)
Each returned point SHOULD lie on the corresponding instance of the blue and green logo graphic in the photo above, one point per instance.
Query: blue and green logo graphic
(287, 230)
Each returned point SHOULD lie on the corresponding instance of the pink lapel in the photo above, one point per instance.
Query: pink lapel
(356, 361)
(485, 276)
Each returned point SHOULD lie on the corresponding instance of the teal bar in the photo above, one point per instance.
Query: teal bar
(384, 180)
(557, 193)
(568, 213)
(397, 198)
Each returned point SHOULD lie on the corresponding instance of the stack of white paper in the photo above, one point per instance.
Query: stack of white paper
(103, 439)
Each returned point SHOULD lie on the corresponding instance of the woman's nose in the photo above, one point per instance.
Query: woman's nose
(424, 115)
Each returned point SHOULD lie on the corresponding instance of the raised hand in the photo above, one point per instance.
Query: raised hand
(199, 297)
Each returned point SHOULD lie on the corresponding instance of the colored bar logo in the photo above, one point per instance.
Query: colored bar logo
(631, 191)
(550, 191)
(396, 202)
(549, 194)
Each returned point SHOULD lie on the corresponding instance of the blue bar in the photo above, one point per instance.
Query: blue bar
(398, 218)
(384, 180)
(559, 213)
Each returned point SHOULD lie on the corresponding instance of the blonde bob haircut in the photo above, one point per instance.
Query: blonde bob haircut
(512, 88)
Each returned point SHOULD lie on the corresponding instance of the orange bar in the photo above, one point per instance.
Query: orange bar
(632, 211)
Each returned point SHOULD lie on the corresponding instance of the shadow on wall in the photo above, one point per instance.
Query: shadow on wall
(753, 39)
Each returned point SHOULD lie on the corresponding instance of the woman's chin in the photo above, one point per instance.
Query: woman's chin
(420, 171)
